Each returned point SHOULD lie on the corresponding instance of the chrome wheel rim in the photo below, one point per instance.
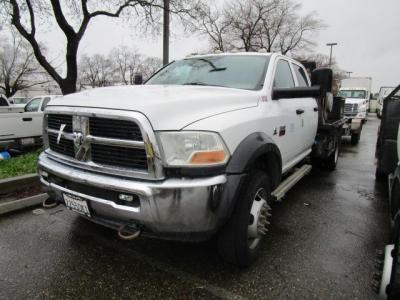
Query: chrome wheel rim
(259, 215)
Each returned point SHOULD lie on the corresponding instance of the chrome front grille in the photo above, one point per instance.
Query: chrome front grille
(63, 146)
(55, 121)
(119, 156)
(117, 129)
(108, 141)
(350, 109)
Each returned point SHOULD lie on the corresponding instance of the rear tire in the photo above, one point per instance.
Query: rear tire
(355, 138)
(235, 242)
(380, 176)
(331, 161)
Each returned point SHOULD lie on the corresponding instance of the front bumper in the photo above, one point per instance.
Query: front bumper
(176, 208)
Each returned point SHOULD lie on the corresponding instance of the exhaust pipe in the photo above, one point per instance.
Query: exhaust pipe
(128, 235)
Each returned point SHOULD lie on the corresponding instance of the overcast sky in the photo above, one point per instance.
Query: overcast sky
(367, 33)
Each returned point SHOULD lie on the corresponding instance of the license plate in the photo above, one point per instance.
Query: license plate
(77, 204)
(27, 141)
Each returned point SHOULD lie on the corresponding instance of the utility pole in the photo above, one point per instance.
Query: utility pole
(166, 33)
(348, 74)
(330, 57)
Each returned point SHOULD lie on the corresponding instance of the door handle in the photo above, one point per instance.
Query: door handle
(299, 111)
(26, 119)
(315, 108)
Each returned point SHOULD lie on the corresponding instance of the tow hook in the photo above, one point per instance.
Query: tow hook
(49, 203)
(128, 234)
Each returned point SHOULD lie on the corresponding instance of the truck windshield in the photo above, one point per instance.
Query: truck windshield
(233, 71)
(352, 94)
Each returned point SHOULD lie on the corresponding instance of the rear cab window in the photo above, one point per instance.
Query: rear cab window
(283, 77)
(301, 76)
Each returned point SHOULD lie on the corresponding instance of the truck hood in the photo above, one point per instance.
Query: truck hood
(355, 101)
(168, 107)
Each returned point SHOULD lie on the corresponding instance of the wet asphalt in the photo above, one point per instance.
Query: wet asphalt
(321, 245)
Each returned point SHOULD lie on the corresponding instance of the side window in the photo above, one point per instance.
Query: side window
(3, 102)
(33, 105)
(44, 103)
(283, 75)
(300, 75)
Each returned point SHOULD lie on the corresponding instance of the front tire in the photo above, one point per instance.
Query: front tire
(240, 239)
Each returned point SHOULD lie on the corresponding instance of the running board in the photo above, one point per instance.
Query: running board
(289, 182)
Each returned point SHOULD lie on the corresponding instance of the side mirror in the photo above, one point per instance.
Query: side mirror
(296, 92)
(324, 78)
(138, 79)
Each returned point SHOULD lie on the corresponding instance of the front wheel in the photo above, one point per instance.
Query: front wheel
(240, 239)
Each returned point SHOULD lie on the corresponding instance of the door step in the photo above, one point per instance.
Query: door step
(289, 182)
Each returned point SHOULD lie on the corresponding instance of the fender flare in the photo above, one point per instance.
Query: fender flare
(249, 150)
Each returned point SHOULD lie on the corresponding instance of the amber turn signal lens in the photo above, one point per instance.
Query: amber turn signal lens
(208, 157)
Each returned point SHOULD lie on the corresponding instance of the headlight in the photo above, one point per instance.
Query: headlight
(193, 149)
(362, 108)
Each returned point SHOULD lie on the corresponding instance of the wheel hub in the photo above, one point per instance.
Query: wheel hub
(259, 215)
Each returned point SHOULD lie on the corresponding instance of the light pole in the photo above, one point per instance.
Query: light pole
(330, 57)
(349, 74)
(166, 33)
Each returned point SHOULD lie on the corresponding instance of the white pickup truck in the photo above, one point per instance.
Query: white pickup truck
(8, 107)
(201, 149)
(18, 130)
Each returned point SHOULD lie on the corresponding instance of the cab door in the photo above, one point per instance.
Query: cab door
(290, 113)
(309, 119)
(32, 118)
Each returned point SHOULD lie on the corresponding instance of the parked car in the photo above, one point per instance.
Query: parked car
(18, 101)
(7, 107)
(383, 93)
(202, 149)
(18, 130)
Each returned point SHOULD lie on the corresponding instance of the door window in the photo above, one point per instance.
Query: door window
(3, 101)
(44, 103)
(300, 75)
(283, 75)
(33, 105)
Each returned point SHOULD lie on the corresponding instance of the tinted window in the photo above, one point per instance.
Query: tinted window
(44, 103)
(33, 105)
(3, 102)
(300, 75)
(234, 71)
(283, 75)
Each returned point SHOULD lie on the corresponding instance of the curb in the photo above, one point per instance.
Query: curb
(22, 203)
(10, 184)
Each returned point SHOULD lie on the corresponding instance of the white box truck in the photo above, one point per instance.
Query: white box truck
(357, 92)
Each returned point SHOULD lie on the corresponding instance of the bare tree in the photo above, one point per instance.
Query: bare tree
(127, 64)
(18, 67)
(149, 66)
(96, 70)
(322, 61)
(250, 25)
(73, 18)
(215, 24)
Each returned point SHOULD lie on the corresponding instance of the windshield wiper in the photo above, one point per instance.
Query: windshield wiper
(195, 83)
(202, 84)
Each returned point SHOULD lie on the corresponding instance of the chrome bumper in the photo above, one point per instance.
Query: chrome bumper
(173, 208)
